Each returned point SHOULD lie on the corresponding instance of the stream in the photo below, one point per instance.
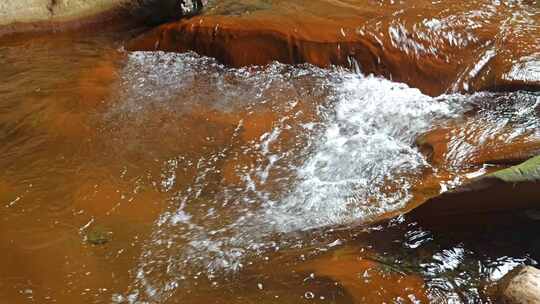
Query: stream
(151, 177)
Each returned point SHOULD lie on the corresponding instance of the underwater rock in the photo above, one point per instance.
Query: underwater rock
(98, 235)
(366, 278)
(456, 146)
(436, 47)
(500, 195)
(497, 129)
(39, 15)
(520, 286)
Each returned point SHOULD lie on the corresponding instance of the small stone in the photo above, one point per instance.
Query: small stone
(98, 236)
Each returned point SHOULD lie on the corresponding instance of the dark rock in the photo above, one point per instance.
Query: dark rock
(493, 198)
(153, 12)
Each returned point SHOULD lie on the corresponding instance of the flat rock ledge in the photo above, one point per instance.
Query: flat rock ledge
(447, 46)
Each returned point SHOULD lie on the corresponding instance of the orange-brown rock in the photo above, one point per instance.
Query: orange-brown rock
(473, 144)
(467, 154)
(437, 47)
(498, 129)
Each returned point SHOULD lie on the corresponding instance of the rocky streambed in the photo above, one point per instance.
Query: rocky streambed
(443, 46)
(325, 151)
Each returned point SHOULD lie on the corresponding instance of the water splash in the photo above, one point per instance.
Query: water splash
(353, 159)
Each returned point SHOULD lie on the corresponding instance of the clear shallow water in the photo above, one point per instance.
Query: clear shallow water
(356, 142)
(217, 185)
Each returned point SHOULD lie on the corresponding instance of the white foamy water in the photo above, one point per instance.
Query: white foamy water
(354, 159)
(367, 145)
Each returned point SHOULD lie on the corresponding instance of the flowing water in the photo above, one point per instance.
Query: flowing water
(148, 177)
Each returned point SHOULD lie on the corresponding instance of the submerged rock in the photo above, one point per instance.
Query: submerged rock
(499, 129)
(38, 15)
(437, 47)
(98, 235)
(366, 278)
(508, 193)
(467, 155)
(442, 144)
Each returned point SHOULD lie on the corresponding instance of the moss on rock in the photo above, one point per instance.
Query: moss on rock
(528, 171)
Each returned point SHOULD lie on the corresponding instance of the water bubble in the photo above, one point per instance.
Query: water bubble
(309, 295)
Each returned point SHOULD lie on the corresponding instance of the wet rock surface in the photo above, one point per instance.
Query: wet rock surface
(437, 47)
(493, 198)
(498, 129)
